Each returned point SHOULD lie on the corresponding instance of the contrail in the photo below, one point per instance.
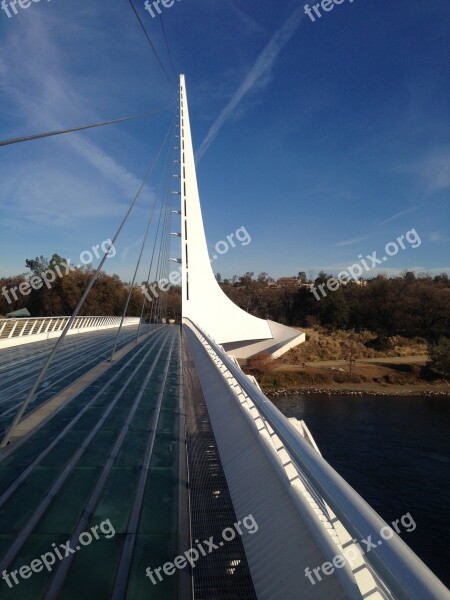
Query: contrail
(262, 66)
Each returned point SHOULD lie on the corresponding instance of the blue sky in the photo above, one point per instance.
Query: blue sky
(325, 139)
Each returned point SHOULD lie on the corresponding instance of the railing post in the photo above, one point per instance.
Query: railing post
(35, 321)
(23, 329)
(12, 330)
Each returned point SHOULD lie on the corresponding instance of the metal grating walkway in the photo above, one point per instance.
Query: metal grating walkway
(222, 574)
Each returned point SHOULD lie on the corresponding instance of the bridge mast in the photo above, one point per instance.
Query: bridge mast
(203, 301)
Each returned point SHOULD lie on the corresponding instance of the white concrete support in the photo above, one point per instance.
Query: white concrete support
(203, 300)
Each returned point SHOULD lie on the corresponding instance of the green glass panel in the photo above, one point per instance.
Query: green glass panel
(117, 499)
(88, 421)
(143, 419)
(152, 551)
(21, 505)
(132, 451)
(7, 476)
(92, 573)
(96, 454)
(167, 421)
(67, 507)
(64, 450)
(25, 454)
(159, 510)
(165, 452)
(34, 586)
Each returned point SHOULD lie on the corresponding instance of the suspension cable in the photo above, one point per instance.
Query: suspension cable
(167, 43)
(154, 313)
(164, 251)
(38, 136)
(150, 41)
(155, 242)
(164, 246)
(69, 324)
(144, 241)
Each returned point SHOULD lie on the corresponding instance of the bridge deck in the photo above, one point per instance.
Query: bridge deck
(20, 365)
(98, 492)
(110, 454)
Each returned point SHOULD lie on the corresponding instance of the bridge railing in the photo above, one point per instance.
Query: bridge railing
(401, 571)
(24, 330)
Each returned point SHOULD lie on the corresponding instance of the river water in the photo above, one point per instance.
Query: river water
(395, 452)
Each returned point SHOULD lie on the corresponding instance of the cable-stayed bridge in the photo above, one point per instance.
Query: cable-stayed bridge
(139, 461)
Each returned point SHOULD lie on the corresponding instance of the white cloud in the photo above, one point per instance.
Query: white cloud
(55, 197)
(251, 25)
(437, 236)
(44, 93)
(401, 214)
(352, 241)
(104, 163)
(259, 76)
(433, 170)
(436, 171)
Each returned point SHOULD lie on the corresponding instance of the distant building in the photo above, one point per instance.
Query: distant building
(289, 282)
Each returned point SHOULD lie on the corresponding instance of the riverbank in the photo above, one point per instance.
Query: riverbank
(362, 390)
(341, 363)
(377, 380)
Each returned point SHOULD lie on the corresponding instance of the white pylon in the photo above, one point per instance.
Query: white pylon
(203, 301)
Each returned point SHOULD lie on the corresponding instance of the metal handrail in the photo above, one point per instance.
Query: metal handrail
(401, 570)
(19, 326)
(14, 319)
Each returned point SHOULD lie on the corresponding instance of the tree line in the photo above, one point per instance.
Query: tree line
(409, 305)
(107, 296)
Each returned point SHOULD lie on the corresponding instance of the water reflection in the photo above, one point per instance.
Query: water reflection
(395, 451)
